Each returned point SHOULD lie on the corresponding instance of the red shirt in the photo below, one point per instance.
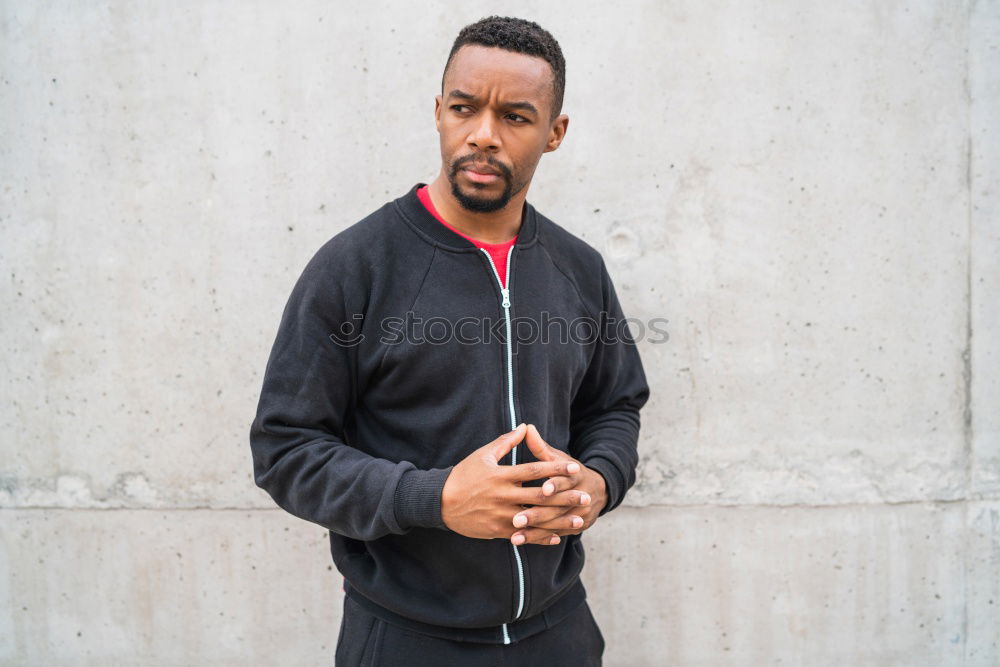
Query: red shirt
(498, 251)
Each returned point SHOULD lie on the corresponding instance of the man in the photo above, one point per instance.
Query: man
(457, 465)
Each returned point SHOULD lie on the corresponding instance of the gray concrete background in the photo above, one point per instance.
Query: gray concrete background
(807, 191)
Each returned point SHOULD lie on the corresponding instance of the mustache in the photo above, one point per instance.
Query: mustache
(458, 163)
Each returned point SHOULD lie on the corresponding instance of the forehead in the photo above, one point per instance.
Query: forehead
(487, 70)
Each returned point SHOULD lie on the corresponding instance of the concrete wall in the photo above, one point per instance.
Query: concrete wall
(807, 191)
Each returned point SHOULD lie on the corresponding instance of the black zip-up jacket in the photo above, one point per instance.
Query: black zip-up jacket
(391, 364)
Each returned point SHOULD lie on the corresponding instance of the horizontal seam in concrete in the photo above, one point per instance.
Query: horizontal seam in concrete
(204, 508)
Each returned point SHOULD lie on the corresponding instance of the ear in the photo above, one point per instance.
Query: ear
(557, 132)
(437, 112)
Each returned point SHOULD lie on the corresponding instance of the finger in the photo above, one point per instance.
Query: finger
(536, 515)
(535, 536)
(524, 472)
(554, 518)
(560, 483)
(541, 449)
(532, 495)
(568, 523)
(500, 447)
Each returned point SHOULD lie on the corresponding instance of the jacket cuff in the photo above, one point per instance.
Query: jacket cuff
(417, 500)
(613, 481)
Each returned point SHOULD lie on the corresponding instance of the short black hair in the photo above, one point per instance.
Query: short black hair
(519, 36)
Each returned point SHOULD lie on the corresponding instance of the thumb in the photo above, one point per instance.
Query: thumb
(500, 447)
(538, 446)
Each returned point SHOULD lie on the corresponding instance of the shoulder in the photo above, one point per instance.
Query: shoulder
(365, 246)
(371, 231)
(581, 262)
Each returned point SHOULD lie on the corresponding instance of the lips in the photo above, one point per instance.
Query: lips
(481, 173)
(485, 170)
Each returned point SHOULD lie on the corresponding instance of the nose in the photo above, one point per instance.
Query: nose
(484, 135)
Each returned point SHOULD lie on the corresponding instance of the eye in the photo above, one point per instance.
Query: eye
(517, 118)
(460, 108)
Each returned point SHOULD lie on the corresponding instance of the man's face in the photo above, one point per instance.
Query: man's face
(494, 121)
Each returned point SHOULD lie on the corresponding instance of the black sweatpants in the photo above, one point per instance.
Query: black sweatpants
(367, 641)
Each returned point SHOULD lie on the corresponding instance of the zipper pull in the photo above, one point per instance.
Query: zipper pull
(506, 297)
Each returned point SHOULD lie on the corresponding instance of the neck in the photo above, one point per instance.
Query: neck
(495, 227)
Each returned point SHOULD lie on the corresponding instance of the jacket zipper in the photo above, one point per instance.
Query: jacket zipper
(505, 293)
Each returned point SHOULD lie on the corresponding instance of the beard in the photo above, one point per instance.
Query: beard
(482, 203)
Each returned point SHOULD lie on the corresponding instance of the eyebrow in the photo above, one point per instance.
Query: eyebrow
(525, 106)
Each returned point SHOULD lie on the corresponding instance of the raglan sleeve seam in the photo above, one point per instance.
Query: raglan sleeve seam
(605, 411)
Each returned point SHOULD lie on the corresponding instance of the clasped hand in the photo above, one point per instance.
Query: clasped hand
(486, 500)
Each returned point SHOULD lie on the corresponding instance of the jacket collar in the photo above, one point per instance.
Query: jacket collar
(419, 217)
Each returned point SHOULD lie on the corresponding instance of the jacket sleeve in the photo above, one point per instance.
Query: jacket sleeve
(297, 439)
(604, 414)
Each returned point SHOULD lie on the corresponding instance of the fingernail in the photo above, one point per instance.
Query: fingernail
(554, 539)
(584, 498)
(520, 521)
(548, 488)
(573, 468)
(577, 522)
(517, 539)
